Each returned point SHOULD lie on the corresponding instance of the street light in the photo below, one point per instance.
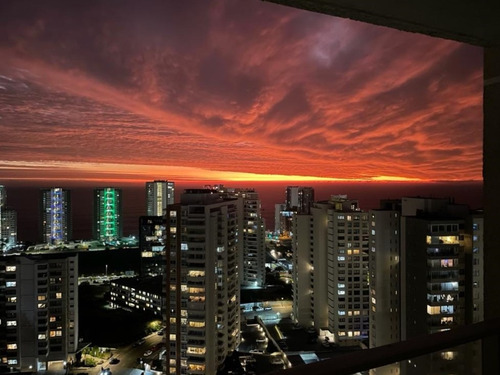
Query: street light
(106, 270)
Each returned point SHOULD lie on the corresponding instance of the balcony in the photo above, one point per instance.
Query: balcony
(488, 332)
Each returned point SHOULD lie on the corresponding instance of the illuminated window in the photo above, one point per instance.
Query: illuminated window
(11, 323)
(12, 299)
(12, 362)
(52, 318)
(10, 284)
(42, 298)
(197, 324)
(42, 336)
(448, 356)
(11, 346)
(10, 268)
(59, 295)
(42, 305)
(433, 310)
(193, 350)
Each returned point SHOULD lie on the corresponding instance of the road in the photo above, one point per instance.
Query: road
(128, 356)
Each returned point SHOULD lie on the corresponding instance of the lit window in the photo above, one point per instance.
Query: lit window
(11, 346)
(59, 295)
(10, 268)
(42, 336)
(42, 298)
(42, 305)
(10, 284)
(11, 323)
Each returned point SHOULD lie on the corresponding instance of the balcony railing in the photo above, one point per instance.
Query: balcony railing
(364, 360)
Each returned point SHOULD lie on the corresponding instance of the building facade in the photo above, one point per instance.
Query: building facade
(107, 226)
(434, 243)
(144, 294)
(152, 245)
(251, 236)
(38, 311)
(55, 215)
(8, 228)
(202, 283)
(384, 276)
(159, 194)
(299, 198)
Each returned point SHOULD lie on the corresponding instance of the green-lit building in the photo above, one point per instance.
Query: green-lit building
(107, 225)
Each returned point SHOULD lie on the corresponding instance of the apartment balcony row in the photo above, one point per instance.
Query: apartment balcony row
(487, 332)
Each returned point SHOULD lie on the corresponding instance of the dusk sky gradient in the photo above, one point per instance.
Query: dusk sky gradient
(229, 90)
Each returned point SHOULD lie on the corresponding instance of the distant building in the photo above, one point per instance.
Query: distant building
(38, 311)
(144, 294)
(159, 194)
(202, 311)
(55, 215)
(152, 245)
(299, 199)
(8, 228)
(107, 226)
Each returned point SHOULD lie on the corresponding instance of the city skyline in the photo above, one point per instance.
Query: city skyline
(230, 91)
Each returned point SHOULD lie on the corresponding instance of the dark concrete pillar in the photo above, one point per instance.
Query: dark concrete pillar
(491, 175)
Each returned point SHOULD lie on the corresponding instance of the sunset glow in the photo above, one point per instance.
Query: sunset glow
(230, 90)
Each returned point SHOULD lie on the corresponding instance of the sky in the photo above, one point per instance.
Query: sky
(229, 90)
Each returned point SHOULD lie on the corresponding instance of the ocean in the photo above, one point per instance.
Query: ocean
(25, 199)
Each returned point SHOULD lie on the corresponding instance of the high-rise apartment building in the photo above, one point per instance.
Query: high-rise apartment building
(202, 283)
(331, 247)
(435, 238)
(55, 215)
(8, 222)
(310, 266)
(38, 311)
(8, 228)
(348, 257)
(384, 276)
(251, 236)
(107, 226)
(299, 198)
(159, 194)
(152, 245)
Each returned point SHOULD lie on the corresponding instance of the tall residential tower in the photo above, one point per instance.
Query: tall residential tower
(159, 194)
(107, 214)
(202, 286)
(55, 212)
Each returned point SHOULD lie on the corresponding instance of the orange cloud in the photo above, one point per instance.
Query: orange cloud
(255, 91)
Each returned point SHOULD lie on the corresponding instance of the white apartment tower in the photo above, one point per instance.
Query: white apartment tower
(202, 283)
(348, 257)
(331, 251)
(38, 311)
(251, 236)
(309, 272)
(159, 194)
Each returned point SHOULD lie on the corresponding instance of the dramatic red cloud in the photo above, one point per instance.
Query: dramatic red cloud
(230, 90)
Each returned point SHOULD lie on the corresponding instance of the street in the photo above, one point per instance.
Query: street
(128, 357)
